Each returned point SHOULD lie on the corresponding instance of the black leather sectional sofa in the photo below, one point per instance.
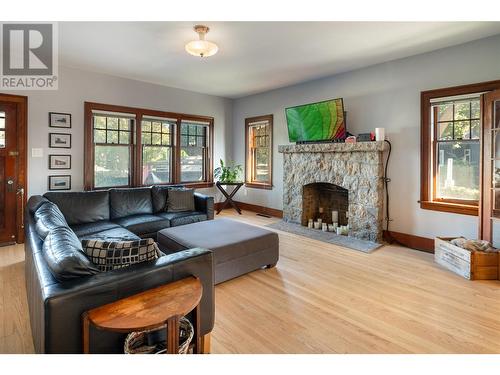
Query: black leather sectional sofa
(55, 307)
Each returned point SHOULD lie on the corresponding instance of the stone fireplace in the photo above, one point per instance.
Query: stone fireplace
(319, 199)
(353, 170)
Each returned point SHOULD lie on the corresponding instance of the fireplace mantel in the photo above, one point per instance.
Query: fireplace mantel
(356, 167)
(334, 147)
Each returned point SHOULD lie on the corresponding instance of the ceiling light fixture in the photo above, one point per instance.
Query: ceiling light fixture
(201, 47)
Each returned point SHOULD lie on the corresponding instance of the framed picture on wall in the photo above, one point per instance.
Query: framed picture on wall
(59, 140)
(59, 161)
(60, 182)
(59, 120)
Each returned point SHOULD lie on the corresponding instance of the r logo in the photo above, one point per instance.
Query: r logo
(27, 49)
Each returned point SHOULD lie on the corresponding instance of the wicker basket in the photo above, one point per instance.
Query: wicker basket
(137, 342)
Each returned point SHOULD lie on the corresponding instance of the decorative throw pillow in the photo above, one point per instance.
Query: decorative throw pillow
(180, 200)
(108, 256)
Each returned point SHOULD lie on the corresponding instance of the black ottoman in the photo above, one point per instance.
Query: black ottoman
(238, 248)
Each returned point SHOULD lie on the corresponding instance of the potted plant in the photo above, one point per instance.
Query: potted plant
(230, 173)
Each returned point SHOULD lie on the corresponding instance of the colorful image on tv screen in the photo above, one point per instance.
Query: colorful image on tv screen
(321, 121)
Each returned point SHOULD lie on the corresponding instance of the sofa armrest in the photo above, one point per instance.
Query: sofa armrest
(65, 302)
(205, 204)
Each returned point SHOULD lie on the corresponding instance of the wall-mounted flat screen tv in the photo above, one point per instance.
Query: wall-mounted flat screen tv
(322, 121)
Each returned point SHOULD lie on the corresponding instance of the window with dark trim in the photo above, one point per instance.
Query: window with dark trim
(112, 147)
(455, 149)
(451, 148)
(157, 140)
(194, 151)
(127, 147)
(259, 152)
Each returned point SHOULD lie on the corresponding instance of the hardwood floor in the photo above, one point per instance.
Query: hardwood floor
(321, 298)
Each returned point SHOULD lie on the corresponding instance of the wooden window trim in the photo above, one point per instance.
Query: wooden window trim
(252, 184)
(136, 154)
(207, 170)
(427, 202)
(171, 146)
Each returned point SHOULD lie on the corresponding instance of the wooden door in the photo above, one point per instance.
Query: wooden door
(8, 172)
(13, 146)
(490, 202)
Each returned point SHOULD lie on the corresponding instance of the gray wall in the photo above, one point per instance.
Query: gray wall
(76, 87)
(385, 95)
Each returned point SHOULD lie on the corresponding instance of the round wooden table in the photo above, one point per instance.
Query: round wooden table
(151, 309)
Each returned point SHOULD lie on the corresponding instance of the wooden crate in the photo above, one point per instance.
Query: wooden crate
(473, 265)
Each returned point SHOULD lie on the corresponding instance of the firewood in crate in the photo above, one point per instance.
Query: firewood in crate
(472, 265)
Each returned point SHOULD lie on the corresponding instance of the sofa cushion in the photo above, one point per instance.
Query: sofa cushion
(64, 255)
(143, 224)
(113, 234)
(159, 194)
(48, 217)
(81, 207)
(159, 197)
(113, 255)
(182, 218)
(180, 200)
(35, 202)
(126, 202)
(87, 229)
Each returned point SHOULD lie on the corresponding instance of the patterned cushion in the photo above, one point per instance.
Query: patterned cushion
(180, 200)
(108, 256)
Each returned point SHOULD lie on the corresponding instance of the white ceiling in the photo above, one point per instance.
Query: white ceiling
(253, 56)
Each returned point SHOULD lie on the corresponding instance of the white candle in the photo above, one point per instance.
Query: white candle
(339, 231)
(380, 134)
(317, 225)
(324, 228)
(320, 221)
(331, 228)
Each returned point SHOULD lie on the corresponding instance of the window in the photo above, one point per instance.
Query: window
(2, 129)
(128, 147)
(112, 140)
(157, 144)
(451, 148)
(258, 160)
(456, 129)
(194, 151)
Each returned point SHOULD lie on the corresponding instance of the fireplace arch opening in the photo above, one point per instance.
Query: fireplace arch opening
(320, 199)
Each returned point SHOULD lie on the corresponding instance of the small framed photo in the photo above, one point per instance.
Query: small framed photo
(60, 182)
(59, 161)
(59, 140)
(59, 120)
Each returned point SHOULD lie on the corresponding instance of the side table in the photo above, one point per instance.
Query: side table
(148, 310)
(229, 197)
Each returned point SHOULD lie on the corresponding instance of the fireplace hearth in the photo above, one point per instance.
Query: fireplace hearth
(313, 171)
(319, 199)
